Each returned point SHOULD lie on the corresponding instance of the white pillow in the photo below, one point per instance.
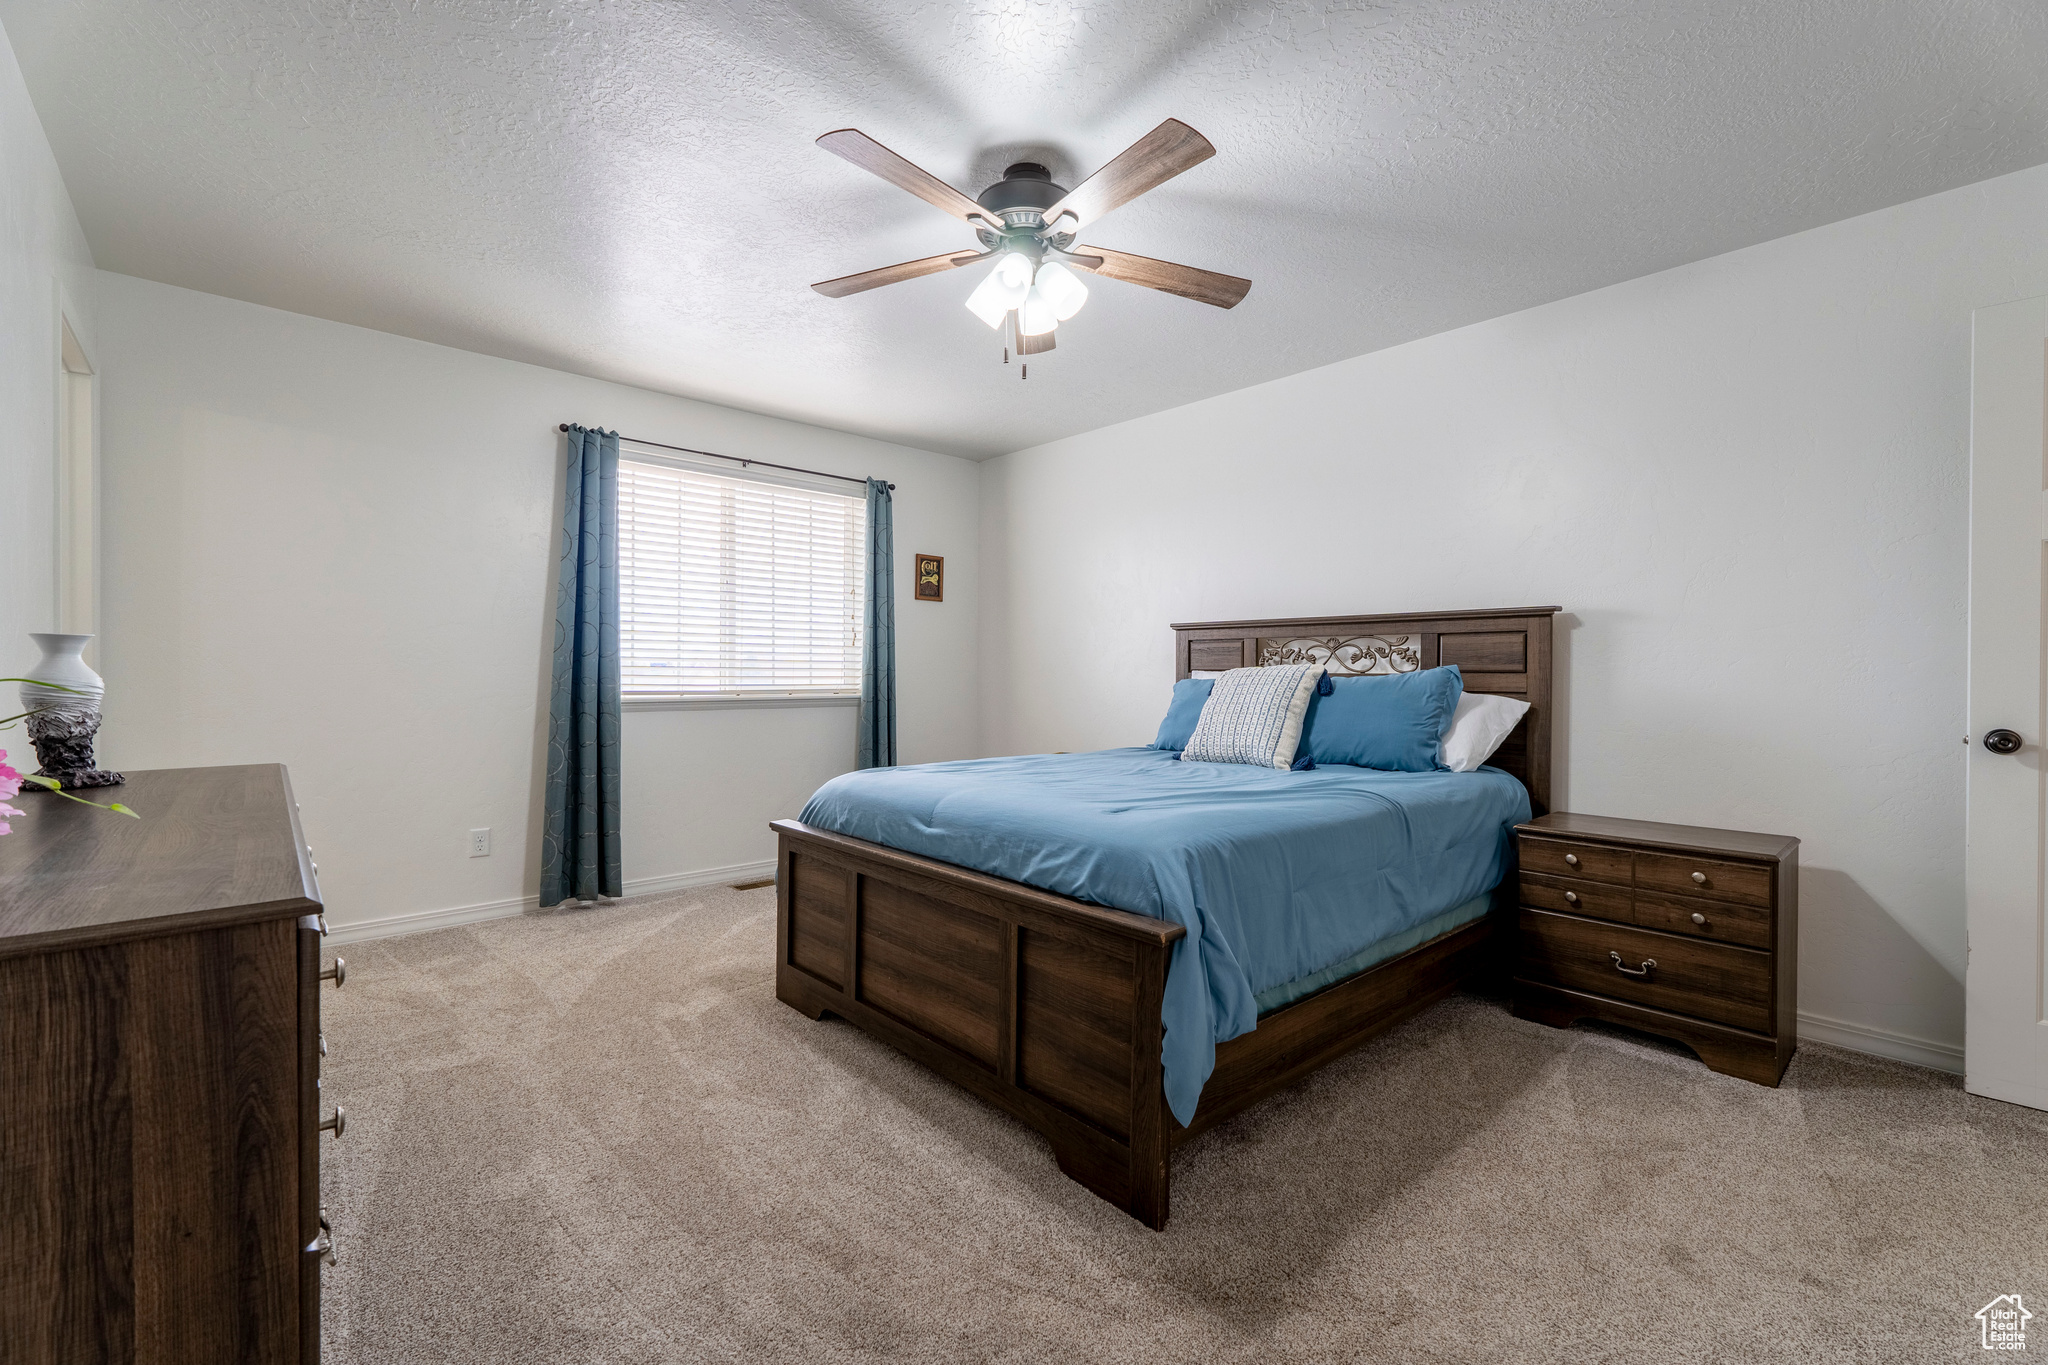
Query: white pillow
(1253, 715)
(1480, 723)
(1204, 673)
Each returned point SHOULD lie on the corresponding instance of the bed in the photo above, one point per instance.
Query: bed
(1122, 950)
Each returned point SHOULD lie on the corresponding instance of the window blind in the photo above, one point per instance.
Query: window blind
(732, 586)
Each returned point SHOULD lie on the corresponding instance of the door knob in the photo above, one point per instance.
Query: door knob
(2003, 741)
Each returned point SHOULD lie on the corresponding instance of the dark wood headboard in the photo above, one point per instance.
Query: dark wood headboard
(1506, 651)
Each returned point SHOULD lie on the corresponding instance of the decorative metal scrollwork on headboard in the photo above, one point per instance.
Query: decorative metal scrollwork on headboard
(1353, 656)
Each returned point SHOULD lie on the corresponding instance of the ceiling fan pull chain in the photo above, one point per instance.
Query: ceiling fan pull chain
(1024, 370)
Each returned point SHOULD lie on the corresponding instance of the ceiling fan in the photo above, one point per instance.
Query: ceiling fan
(1027, 226)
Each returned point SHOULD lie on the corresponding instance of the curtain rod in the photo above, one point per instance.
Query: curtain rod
(736, 459)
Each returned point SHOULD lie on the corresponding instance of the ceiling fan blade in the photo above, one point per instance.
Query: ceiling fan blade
(891, 274)
(863, 151)
(1152, 160)
(1203, 286)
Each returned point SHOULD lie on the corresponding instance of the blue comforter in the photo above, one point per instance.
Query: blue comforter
(1275, 874)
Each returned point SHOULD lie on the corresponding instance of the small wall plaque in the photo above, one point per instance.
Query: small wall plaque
(930, 578)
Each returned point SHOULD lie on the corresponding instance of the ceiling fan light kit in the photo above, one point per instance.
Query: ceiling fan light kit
(1036, 319)
(1027, 225)
(1003, 291)
(1062, 288)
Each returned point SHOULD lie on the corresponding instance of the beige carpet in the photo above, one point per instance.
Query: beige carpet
(595, 1136)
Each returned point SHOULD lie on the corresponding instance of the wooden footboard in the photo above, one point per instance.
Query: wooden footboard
(1044, 1007)
(1048, 1008)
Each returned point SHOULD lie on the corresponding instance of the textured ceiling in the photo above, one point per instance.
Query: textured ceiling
(627, 188)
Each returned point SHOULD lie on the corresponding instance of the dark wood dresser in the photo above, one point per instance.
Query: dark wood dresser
(159, 1076)
(1676, 930)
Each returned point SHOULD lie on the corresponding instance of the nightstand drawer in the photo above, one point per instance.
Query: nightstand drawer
(1577, 897)
(1557, 858)
(1714, 981)
(1745, 882)
(1723, 921)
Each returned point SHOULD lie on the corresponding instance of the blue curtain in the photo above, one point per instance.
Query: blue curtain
(579, 852)
(877, 744)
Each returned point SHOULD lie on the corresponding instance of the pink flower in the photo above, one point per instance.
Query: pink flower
(10, 784)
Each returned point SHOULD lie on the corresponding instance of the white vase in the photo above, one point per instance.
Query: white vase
(67, 715)
(62, 663)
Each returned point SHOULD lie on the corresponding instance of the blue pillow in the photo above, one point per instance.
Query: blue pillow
(1183, 711)
(1394, 722)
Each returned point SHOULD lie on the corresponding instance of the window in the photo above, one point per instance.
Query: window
(732, 586)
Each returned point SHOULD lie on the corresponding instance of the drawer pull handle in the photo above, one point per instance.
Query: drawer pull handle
(323, 1244)
(1571, 860)
(338, 973)
(1572, 896)
(1699, 919)
(323, 1044)
(339, 1123)
(1643, 970)
(320, 923)
(1700, 877)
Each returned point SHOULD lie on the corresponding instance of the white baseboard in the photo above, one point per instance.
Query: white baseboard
(419, 921)
(1879, 1042)
(709, 876)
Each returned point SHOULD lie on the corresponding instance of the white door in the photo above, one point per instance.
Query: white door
(2006, 1014)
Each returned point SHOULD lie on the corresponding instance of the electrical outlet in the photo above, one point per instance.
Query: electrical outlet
(479, 843)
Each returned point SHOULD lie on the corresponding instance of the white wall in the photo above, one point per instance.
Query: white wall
(43, 258)
(335, 548)
(1745, 482)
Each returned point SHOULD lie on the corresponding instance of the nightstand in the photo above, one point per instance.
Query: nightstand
(1685, 932)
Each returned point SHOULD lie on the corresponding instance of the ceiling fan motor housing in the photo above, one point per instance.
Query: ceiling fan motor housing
(1023, 194)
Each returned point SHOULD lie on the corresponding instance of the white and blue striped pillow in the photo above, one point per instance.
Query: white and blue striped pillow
(1253, 716)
